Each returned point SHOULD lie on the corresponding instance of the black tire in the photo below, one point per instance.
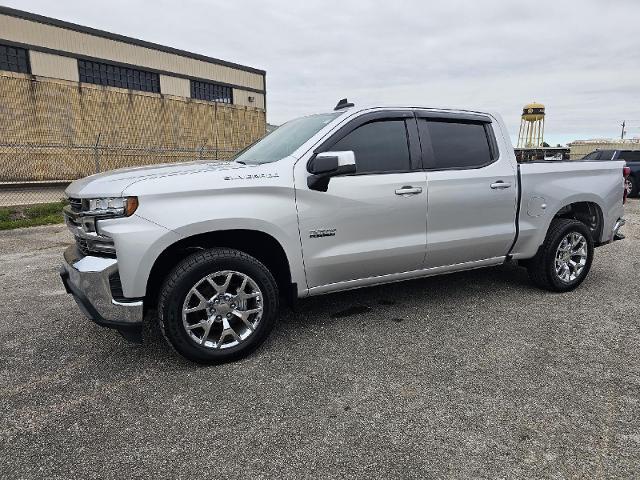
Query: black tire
(542, 271)
(189, 272)
(634, 186)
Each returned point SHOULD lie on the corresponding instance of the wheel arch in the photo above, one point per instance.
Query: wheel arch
(260, 245)
(588, 212)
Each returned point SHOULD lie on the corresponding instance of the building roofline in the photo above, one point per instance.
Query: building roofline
(605, 140)
(12, 12)
(541, 148)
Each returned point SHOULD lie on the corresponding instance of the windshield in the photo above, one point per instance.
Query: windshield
(283, 141)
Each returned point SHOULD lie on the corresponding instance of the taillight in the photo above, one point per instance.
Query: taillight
(626, 171)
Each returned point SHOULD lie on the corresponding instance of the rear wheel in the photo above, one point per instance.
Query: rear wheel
(564, 260)
(218, 305)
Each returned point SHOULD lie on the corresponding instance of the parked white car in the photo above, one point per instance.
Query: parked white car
(327, 202)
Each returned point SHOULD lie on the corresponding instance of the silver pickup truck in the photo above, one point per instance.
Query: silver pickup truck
(328, 202)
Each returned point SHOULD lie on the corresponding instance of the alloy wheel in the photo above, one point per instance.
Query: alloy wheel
(571, 257)
(222, 309)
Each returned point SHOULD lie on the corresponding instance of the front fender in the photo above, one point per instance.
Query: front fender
(138, 244)
(264, 205)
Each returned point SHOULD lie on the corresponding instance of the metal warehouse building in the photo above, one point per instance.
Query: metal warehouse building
(580, 148)
(74, 100)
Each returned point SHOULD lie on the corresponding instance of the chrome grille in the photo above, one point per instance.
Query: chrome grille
(76, 204)
(82, 227)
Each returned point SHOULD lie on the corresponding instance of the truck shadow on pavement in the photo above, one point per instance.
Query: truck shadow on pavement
(410, 300)
(422, 293)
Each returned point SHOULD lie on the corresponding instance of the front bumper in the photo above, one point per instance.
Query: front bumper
(86, 278)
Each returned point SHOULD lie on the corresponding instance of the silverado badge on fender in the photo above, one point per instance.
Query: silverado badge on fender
(252, 176)
(322, 232)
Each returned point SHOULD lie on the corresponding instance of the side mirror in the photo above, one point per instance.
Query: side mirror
(323, 163)
(329, 164)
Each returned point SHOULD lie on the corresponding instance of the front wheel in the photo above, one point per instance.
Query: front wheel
(218, 305)
(564, 259)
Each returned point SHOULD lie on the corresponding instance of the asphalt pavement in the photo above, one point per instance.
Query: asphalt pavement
(470, 375)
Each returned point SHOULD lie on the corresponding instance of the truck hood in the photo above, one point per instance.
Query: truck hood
(114, 182)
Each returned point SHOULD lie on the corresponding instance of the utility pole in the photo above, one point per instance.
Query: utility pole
(622, 134)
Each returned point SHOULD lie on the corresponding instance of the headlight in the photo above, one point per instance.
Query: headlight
(111, 206)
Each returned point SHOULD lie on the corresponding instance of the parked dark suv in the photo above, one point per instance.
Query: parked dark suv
(632, 157)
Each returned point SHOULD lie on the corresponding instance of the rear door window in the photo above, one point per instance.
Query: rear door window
(456, 145)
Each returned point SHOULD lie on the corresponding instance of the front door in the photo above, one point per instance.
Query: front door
(370, 223)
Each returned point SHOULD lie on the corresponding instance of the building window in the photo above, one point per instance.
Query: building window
(211, 92)
(14, 59)
(116, 76)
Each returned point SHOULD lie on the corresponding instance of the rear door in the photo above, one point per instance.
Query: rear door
(472, 190)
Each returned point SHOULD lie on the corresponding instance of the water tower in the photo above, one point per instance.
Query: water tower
(531, 133)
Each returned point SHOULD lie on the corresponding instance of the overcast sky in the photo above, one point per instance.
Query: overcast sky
(580, 58)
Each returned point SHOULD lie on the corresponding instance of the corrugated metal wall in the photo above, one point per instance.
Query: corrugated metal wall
(53, 66)
(79, 43)
(241, 97)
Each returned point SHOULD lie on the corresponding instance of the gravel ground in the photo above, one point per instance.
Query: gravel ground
(468, 375)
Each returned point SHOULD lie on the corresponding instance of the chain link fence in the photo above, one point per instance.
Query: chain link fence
(54, 132)
(32, 173)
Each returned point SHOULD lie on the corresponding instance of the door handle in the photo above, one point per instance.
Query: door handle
(500, 185)
(407, 190)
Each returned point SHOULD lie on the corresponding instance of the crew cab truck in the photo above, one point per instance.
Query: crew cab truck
(632, 159)
(329, 202)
